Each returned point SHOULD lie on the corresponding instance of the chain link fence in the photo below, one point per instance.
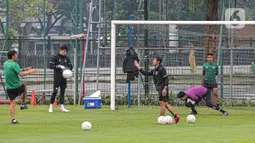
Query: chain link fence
(172, 42)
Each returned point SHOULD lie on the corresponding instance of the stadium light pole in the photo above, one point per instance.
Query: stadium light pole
(82, 46)
(222, 8)
(44, 44)
(76, 49)
(146, 52)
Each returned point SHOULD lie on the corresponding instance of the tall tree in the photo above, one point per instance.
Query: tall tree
(60, 10)
(24, 10)
(210, 30)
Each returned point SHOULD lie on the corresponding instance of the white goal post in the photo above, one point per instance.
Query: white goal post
(128, 22)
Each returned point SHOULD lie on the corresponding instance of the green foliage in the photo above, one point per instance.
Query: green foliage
(149, 99)
(174, 101)
(12, 36)
(106, 99)
(22, 10)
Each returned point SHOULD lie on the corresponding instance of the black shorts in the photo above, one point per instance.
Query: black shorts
(164, 98)
(13, 93)
(210, 85)
(60, 82)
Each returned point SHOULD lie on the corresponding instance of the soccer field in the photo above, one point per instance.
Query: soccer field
(134, 125)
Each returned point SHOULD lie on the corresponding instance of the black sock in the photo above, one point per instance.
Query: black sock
(222, 111)
(219, 109)
(175, 115)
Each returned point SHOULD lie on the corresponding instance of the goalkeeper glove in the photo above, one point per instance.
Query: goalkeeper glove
(60, 66)
(190, 101)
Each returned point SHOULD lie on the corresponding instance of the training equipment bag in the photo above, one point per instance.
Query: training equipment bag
(128, 64)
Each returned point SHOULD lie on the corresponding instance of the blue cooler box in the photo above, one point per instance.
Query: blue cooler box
(92, 102)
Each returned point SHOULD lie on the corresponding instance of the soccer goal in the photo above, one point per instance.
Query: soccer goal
(231, 43)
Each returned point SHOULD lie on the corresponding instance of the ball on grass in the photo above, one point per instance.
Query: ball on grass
(168, 119)
(161, 120)
(86, 126)
(191, 119)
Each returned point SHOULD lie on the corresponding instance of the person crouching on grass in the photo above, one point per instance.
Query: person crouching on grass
(160, 78)
(194, 95)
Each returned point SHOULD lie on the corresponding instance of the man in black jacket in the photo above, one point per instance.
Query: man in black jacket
(59, 63)
(160, 78)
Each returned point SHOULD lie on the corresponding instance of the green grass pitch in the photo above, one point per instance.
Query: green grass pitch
(133, 125)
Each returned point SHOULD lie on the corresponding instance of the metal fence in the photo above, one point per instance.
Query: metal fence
(174, 42)
(238, 77)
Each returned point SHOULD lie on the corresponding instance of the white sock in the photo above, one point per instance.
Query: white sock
(51, 105)
(62, 106)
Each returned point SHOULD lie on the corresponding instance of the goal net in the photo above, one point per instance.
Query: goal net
(174, 41)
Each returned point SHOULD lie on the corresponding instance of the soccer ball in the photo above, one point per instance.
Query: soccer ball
(67, 73)
(86, 126)
(191, 119)
(161, 120)
(168, 119)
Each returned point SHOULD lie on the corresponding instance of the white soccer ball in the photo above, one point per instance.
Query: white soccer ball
(168, 119)
(86, 126)
(161, 120)
(191, 119)
(67, 73)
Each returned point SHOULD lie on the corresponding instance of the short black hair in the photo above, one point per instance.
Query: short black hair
(64, 47)
(209, 54)
(181, 94)
(11, 53)
(159, 59)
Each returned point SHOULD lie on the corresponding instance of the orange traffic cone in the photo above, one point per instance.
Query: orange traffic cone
(33, 99)
(55, 102)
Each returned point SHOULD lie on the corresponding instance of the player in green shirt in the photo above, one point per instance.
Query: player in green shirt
(14, 87)
(210, 72)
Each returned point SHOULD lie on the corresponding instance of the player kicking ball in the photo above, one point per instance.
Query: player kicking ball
(194, 95)
(160, 78)
(14, 87)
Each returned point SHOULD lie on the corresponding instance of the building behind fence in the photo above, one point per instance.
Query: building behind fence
(237, 64)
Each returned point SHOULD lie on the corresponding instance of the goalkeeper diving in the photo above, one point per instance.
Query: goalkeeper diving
(194, 95)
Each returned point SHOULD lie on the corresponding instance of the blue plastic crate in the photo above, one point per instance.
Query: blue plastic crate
(92, 102)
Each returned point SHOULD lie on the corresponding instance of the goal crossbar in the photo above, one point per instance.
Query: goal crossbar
(127, 22)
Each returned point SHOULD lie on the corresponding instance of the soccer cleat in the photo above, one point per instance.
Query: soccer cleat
(177, 118)
(64, 110)
(15, 122)
(23, 107)
(225, 113)
(193, 112)
(50, 110)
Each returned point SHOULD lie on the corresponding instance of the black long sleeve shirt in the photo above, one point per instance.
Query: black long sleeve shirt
(60, 60)
(160, 77)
